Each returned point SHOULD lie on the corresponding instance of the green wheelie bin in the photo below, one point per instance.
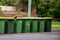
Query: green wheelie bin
(2, 26)
(34, 25)
(26, 26)
(18, 26)
(9, 26)
(48, 25)
(41, 25)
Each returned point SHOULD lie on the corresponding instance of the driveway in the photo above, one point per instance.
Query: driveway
(31, 36)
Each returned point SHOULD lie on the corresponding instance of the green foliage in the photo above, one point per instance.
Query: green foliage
(57, 9)
(46, 8)
(10, 2)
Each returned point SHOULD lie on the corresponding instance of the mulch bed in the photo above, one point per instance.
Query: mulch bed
(56, 30)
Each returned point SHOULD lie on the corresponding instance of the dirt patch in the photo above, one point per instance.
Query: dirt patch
(55, 30)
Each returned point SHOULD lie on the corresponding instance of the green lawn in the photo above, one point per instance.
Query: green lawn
(56, 27)
(56, 24)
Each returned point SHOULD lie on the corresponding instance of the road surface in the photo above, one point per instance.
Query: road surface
(31, 36)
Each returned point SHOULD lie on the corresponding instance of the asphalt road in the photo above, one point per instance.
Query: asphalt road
(31, 36)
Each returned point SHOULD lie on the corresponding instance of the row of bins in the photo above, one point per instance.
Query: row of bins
(25, 25)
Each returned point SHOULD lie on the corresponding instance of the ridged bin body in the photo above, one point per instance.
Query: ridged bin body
(25, 25)
(2, 26)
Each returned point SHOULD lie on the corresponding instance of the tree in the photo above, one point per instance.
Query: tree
(42, 7)
(57, 9)
(45, 8)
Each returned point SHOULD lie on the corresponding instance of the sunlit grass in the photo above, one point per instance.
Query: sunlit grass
(56, 24)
